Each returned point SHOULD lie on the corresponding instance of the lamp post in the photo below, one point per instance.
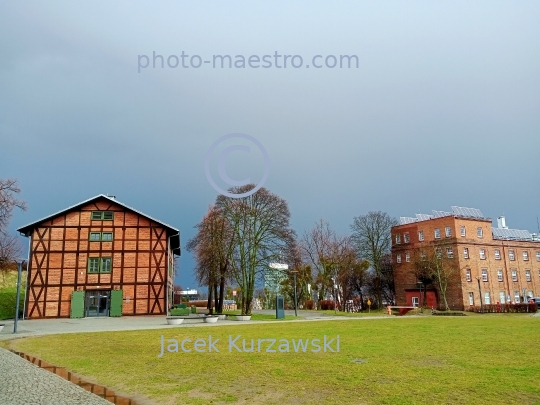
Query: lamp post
(295, 300)
(480, 290)
(18, 296)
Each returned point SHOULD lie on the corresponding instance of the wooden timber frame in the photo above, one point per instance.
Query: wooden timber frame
(142, 251)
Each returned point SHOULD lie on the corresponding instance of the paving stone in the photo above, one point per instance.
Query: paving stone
(23, 383)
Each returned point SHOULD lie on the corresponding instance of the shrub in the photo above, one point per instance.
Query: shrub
(309, 304)
(449, 313)
(508, 308)
(327, 304)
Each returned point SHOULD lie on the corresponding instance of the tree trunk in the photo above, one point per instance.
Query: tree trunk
(216, 297)
(221, 295)
(210, 304)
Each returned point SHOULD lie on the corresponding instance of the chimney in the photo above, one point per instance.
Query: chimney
(501, 223)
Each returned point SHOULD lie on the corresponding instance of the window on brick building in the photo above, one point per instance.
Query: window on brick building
(514, 275)
(468, 275)
(484, 275)
(482, 254)
(502, 297)
(421, 236)
(462, 230)
(528, 275)
(398, 257)
(398, 239)
(538, 256)
(407, 257)
(497, 254)
(450, 253)
(525, 255)
(466, 253)
(448, 231)
(479, 232)
(487, 297)
(471, 298)
(437, 233)
(406, 238)
(511, 255)
(499, 275)
(516, 297)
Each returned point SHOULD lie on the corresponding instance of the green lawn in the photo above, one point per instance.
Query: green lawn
(8, 294)
(427, 360)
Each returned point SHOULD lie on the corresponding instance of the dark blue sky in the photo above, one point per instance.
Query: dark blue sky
(442, 110)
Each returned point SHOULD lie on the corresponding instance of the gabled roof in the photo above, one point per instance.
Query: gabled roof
(175, 241)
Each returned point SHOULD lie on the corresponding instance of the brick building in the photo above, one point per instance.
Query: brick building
(501, 264)
(99, 258)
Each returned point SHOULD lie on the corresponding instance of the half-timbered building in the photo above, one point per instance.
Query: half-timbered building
(99, 258)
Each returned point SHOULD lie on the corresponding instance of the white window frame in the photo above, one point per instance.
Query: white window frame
(407, 257)
(449, 252)
(398, 257)
(447, 231)
(468, 276)
(527, 275)
(484, 274)
(517, 297)
(437, 233)
(511, 255)
(398, 239)
(497, 254)
(499, 275)
(421, 236)
(406, 238)
(538, 256)
(525, 255)
(482, 253)
(463, 230)
(487, 297)
(415, 300)
(466, 253)
(480, 232)
(514, 276)
(502, 297)
(471, 299)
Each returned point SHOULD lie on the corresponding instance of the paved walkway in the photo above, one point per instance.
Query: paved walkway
(38, 327)
(23, 383)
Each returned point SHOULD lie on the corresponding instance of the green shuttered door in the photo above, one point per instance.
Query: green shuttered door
(116, 303)
(77, 304)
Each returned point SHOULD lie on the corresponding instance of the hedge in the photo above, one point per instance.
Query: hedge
(492, 308)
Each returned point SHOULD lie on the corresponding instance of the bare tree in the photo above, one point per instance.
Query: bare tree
(371, 235)
(213, 246)
(8, 202)
(435, 264)
(10, 247)
(323, 249)
(260, 225)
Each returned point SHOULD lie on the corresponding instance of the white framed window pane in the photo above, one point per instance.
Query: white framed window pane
(468, 275)
(437, 233)
(407, 257)
(466, 253)
(525, 255)
(421, 236)
(516, 297)
(471, 298)
(487, 298)
(448, 231)
(398, 258)
(497, 254)
(406, 238)
(479, 232)
(528, 275)
(484, 275)
(502, 298)
(462, 230)
(511, 255)
(499, 275)
(449, 253)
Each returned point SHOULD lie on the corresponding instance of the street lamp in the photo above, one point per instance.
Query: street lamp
(19, 276)
(295, 301)
(480, 290)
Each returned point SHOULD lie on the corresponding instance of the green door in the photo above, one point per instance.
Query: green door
(77, 304)
(116, 303)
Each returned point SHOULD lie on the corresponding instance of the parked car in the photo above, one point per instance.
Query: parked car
(536, 300)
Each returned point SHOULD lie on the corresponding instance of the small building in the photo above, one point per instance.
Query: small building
(99, 257)
(491, 264)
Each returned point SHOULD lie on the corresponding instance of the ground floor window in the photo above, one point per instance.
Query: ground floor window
(415, 301)
(487, 298)
(516, 297)
(502, 297)
(471, 298)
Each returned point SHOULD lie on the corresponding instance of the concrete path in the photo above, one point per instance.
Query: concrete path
(23, 383)
(38, 327)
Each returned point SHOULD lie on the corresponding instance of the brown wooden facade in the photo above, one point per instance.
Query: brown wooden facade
(141, 252)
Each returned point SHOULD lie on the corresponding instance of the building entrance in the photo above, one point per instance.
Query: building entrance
(98, 302)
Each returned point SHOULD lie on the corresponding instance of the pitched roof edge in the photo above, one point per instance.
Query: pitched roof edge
(25, 229)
